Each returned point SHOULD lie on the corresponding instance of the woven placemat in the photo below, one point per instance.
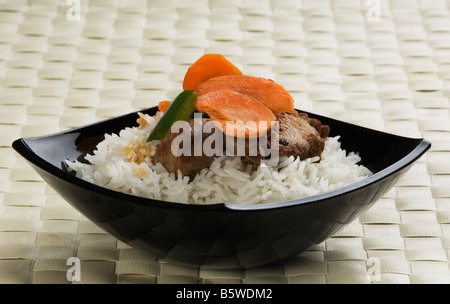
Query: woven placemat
(381, 64)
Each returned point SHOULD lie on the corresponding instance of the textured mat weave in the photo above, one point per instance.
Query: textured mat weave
(381, 64)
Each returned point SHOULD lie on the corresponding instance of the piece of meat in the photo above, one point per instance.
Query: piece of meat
(298, 136)
(189, 163)
(301, 136)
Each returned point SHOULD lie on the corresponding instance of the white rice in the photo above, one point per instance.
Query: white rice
(227, 179)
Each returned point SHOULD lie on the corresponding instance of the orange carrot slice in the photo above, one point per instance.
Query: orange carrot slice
(236, 114)
(269, 93)
(206, 67)
(163, 105)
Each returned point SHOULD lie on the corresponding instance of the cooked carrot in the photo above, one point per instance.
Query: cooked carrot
(236, 114)
(269, 93)
(163, 105)
(208, 66)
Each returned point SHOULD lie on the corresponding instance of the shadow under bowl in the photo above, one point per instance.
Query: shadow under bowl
(226, 235)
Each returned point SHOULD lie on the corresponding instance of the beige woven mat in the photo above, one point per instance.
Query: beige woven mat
(381, 64)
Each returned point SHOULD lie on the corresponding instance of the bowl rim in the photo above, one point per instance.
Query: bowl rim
(21, 146)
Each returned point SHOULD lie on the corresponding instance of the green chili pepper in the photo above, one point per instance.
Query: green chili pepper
(180, 109)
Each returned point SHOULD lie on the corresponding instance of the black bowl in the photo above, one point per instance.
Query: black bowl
(222, 235)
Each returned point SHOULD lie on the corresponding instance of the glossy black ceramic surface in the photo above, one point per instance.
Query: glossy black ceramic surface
(222, 235)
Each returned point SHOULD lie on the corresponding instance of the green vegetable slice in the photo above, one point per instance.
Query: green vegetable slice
(180, 109)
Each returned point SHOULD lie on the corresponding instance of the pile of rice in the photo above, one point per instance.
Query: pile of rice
(122, 162)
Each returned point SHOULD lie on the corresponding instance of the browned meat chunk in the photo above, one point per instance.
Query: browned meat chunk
(301, 136)
(298, 136)
(189, 164)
